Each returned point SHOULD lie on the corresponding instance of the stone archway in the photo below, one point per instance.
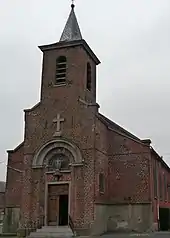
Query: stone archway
(46, 151)
(48, 155)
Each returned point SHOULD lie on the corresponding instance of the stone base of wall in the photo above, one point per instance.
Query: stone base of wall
(122, 218)
(1, 228)
(24, 232)
(83, 232)
(11, 220)
(155, 226)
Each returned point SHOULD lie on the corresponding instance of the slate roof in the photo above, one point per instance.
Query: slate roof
(116, 127)
(72, 30)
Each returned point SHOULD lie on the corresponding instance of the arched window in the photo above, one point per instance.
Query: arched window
(88, 82)
(61, 67)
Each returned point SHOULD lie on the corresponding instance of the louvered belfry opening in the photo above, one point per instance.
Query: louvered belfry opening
(88, 83)
(61, 68)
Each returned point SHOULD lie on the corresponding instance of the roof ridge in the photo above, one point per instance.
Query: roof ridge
(119, 128)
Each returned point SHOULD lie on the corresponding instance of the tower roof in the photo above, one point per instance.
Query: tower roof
(71, 31)
(71, 37)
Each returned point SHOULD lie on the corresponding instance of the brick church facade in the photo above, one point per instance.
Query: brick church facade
(75, 163)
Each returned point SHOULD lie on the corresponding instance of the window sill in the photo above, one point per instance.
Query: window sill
(61, 171)
(59, 84)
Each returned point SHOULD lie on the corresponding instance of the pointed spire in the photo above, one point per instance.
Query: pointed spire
(71, 31)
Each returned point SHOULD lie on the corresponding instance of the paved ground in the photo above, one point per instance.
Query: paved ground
(151, 235)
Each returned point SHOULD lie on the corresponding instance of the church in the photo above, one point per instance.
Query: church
(75, 166)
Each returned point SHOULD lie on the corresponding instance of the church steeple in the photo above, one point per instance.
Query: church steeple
(69, 66)
(72, 30)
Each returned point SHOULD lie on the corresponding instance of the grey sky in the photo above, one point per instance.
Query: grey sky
(131, 38)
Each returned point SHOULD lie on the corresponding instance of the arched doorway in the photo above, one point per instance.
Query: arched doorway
(58, 204)
(58, 157)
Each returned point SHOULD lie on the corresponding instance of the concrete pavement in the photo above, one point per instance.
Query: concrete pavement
(133, 235)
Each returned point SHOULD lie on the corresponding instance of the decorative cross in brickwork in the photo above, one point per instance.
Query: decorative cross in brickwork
(58, 121)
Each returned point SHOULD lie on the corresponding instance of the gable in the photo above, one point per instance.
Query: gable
(17, 148)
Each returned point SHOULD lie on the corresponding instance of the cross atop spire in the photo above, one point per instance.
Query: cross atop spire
(71, 31)
(72, 5)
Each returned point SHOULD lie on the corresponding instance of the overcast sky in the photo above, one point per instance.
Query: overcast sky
(130, 37)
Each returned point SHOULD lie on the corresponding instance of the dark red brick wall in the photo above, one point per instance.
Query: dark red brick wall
(164, 200)
(39, 126)
(126, 166)
(101, 160)
(77, 60)
(125, 163)
(129, 170)
(14, 179)
(78, 127)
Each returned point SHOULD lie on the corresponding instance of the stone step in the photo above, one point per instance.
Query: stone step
(55, 229)
(58, 232)
(53, 235)
(48, 235)
(52, 231)
(58, 227)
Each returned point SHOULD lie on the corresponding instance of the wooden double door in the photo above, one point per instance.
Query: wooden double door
(58, 202)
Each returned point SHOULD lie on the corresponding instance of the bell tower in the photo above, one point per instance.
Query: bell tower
(69, 66)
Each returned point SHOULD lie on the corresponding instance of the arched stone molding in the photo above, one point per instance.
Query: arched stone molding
(42, 155)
